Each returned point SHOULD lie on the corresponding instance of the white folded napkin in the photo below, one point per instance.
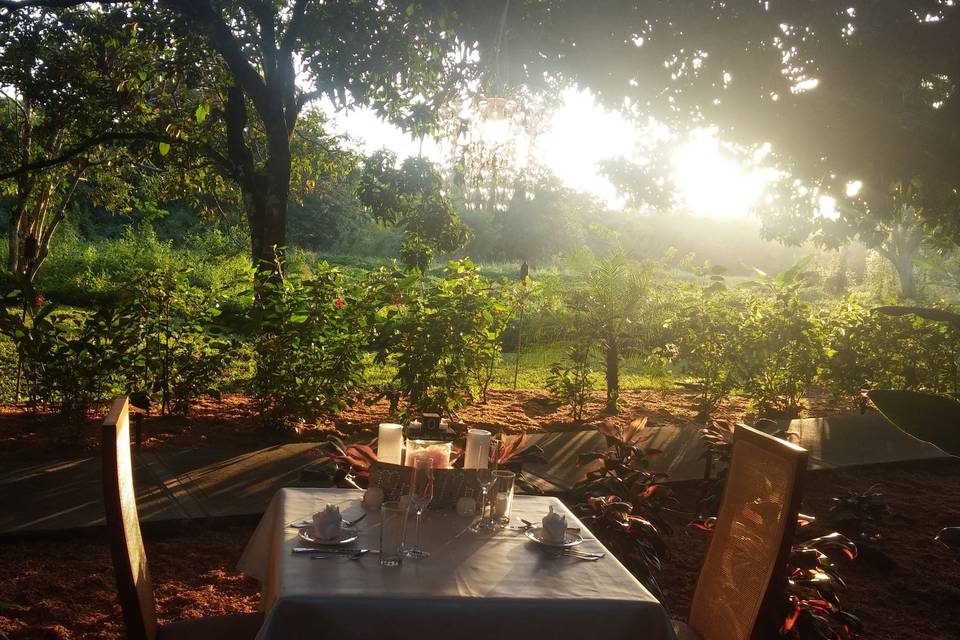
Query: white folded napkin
(327, 523)
(554, 527)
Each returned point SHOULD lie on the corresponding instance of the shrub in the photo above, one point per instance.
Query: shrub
(8, 368)
(69, 360)
(570, 380)
(709, 342)
(441, 332)
(308, 339)
(175, 348)
(780, 345)
(869, 349)
(608, 298)
(623, 502)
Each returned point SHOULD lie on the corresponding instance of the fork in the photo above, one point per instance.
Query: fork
(591, 557)
(356, 556)
(309, 523)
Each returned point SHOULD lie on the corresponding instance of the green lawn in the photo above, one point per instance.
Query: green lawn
(535, 363)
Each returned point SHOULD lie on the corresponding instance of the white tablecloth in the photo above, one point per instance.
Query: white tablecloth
(472, 586)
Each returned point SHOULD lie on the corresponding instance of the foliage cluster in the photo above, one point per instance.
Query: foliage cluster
(609, 301)
(768, 340)
(308, 336)
(569, 381)
(160, 337)
(434, 340)
(309, 343)
(443, 334)
(624, 502)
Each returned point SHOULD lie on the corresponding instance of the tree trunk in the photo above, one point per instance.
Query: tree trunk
(266, 205)
(265, 191)
(613, 376)
(902, 248)
(905, 271)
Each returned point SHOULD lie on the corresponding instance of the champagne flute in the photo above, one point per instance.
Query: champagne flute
(486, 479)
(421, 494)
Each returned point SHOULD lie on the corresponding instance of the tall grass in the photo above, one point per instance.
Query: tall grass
(79, 272)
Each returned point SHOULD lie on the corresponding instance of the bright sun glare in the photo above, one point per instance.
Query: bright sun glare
(579, 135)
(712, 182)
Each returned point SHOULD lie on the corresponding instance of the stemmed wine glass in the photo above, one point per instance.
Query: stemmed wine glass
(486, 479)
(421, 494)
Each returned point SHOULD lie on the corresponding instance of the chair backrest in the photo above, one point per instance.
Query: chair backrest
(746, 560)
(126, 544)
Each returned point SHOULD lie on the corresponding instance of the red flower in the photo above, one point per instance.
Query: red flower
(37, 298)
(340, 303)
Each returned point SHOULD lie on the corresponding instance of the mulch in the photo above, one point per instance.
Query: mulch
(909, 587)
(231, 421)
(905, 587)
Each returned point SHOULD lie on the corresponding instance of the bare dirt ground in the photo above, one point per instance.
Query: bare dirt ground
(64, 589)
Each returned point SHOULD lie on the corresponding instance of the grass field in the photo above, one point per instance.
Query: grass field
(535, 369)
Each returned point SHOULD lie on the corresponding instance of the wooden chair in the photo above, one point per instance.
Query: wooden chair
(129, 557)
(743, 575)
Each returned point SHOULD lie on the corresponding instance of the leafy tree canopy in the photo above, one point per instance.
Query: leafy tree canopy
(412, 197)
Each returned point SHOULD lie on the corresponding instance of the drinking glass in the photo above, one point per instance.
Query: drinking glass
(421, 494)
(393, 523)
(486, 480)
(502, 497)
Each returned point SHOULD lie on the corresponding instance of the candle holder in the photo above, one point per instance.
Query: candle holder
(438, 450)
(449, 484)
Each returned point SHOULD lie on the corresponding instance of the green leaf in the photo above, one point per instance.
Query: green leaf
(410, 9)
(164, 148)
(201, 113)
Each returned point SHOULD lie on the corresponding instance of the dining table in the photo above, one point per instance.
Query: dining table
(473, 585)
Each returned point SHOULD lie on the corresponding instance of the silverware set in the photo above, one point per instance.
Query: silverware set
(579, 555)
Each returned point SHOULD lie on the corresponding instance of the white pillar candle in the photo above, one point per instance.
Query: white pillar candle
(390, 443)
(477, 455)
(502, 505)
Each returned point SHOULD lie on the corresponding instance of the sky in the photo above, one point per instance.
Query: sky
(580, 134)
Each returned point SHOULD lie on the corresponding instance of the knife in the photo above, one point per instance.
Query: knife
(336, 550)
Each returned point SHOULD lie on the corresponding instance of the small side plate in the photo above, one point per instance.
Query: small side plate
(347, 536)
(570, 538)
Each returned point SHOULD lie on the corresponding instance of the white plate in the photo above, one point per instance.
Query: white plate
(347, 536)
(570, 538)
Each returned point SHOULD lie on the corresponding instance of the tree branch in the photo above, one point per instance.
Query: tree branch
(308, 96)
(106, 138)
(290, 36)
(222, 39)
(14, 5)
(238, 152)
(268, 39)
